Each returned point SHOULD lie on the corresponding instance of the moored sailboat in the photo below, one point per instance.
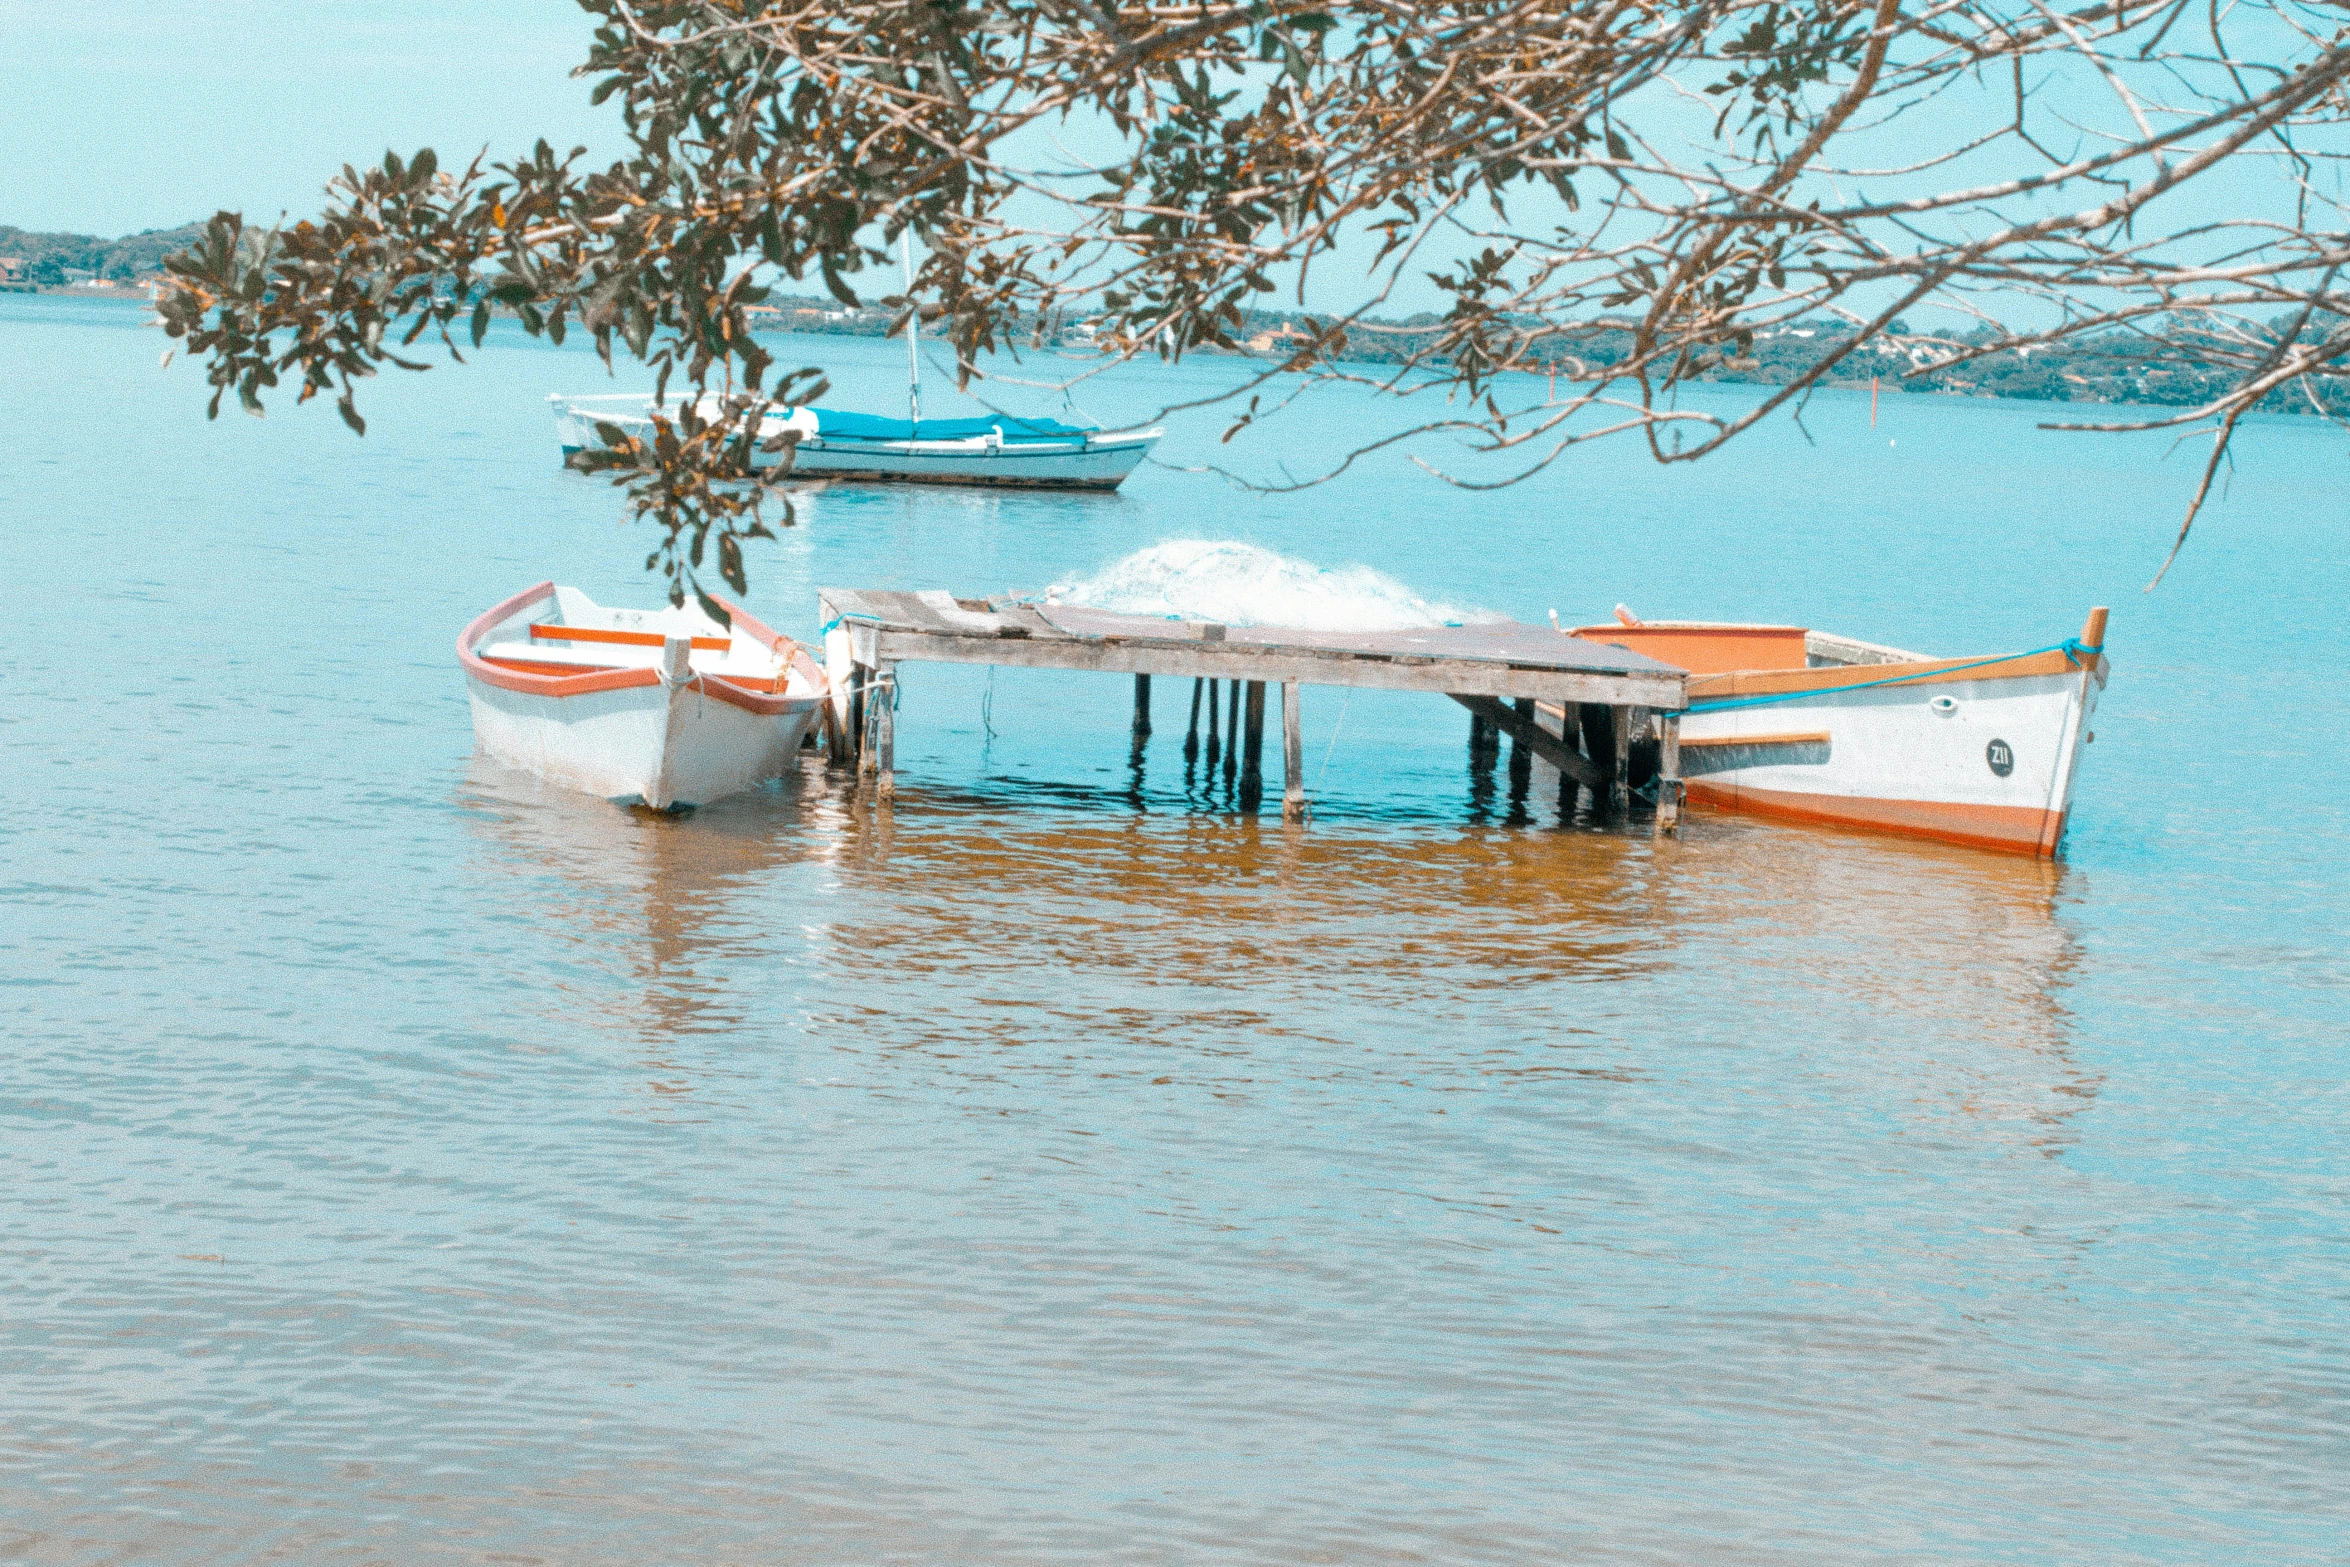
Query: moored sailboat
(833, 443)
(994, 449)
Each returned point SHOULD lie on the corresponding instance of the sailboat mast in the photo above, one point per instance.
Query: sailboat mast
(913, 338)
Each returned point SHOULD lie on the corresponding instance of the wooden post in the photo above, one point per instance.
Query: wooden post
(1619, 793)
(840, 670)
(1599, 748)
(859, 752)
(1215, 745)
(884, 702)
(1293, 761)
(1668, 772)
(1191, 735)
(1142, 708)
(1570, 787)
(1480, 738)
(1521, 750)
(1232, 732)
(1252, 762)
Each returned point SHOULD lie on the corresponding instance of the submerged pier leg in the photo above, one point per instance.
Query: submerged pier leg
(860, 719)
(1668, 773)
(1293, 762)
(1619, 791)
(1215, 746)
(1252, 761)
(1191, 735)
(1521, 754)
(1599, 746)
(1232, 732)
(1480, 738)
(1570, 791)
(881, 728)
(1142, 708)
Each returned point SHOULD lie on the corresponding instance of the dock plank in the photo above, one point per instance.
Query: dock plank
(1489, 659)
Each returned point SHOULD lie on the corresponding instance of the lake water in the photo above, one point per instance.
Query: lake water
(408, 1163)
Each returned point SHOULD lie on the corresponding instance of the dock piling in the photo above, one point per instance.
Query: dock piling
(886, 731)
(1619, 794)
(1293, 764)
(1252, 761)
(1191, 735)
(1232, 733)
(1142, 708)
(1570, 740)
(878, 690)
(1521, 748)
(1215, 745)
(1668, 773)
(858, 752)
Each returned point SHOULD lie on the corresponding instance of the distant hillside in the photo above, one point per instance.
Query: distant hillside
(51, 259)
(2114, 368)
(2111, 367)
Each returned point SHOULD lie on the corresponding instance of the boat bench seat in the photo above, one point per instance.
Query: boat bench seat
(543, 658)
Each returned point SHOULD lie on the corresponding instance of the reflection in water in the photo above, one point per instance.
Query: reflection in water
(672, 899)
(1932, 975)
(1038, 1174)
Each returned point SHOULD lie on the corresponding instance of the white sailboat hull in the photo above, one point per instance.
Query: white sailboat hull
(1100, 464)
(1100, 460)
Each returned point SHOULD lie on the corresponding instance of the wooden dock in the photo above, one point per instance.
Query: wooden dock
(1515, 679)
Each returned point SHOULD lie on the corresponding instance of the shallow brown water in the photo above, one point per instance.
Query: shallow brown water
(407, 1162)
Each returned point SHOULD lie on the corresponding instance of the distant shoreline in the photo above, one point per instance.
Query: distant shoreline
(138, 294)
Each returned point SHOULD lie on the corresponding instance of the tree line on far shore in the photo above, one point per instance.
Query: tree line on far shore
(2114, 367)
(51, 260)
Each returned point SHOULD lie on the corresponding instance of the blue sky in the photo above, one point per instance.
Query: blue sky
(138, 114)
(134, 114)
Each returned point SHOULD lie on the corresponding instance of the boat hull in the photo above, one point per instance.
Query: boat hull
(660, 736)
(1098, 462)
(1982, 756)
(1100, 465)
(662, 746)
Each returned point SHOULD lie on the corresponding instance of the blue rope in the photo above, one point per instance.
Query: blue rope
(825, 629)
(2073, 648)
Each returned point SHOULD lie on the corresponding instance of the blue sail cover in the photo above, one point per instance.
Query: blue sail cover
(834, 424)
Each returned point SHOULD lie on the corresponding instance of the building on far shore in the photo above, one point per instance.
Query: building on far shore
(13, 278)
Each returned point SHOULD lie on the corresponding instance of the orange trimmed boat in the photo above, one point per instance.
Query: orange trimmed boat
(1807, 726)
(664, 706)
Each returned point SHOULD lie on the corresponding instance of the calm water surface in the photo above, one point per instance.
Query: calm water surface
(405, 1162)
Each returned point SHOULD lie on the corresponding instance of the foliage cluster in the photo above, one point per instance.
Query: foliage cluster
(1710, 171)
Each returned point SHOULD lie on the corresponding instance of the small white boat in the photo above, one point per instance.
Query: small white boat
(664, 706)
(1806, 726)
(997, 449)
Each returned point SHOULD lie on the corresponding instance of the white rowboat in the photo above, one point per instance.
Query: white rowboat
(664, 706)
(1806, 726)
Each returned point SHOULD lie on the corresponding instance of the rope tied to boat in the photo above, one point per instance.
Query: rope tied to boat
(2075, 651)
